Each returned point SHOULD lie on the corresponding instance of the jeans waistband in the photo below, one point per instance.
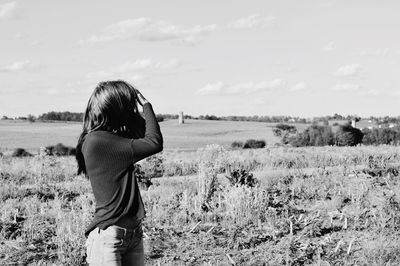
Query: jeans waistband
(121, 231)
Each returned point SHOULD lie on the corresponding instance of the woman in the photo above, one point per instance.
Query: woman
(114, 137)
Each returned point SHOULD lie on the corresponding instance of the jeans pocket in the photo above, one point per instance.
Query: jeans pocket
(89, 247)
(137, 237)
(112, 238)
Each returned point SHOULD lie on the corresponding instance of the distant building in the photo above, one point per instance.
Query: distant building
(181, 118)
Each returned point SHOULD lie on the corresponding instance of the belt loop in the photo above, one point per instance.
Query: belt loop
(98, 231)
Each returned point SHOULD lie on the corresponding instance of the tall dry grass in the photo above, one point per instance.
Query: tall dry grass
(312, 206)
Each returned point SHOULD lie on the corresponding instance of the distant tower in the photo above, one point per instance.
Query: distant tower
(181, 121)
(353, 123)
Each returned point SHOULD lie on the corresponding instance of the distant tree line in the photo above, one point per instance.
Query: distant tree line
(71, 116)
(318, 135)
(337, 135)
(61, 116)
(378, 136)
(255, 118)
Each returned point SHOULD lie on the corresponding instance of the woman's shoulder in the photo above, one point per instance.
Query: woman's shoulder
(96, 138)
(98, 135)
(102, 137)
(100, 142)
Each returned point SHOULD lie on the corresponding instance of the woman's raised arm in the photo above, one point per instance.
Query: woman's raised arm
(152, 142)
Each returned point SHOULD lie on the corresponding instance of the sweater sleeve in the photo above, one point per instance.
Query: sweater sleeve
(152, 142)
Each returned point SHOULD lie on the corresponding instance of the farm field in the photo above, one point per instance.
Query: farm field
(310, 206)
(189, 136)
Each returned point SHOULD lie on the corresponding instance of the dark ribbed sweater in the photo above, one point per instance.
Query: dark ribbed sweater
(109, 161)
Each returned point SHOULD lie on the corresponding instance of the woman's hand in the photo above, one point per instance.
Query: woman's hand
(140, 98)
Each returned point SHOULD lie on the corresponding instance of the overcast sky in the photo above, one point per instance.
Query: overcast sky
(302, 58)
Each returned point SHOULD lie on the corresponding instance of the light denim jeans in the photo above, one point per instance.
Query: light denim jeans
(115, 246)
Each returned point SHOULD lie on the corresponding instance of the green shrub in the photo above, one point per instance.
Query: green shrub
(153, 166)
(19, 152)
(285, 132)
(254, 144)
(237, 145)
(60, 150)
(144, 181)
(315, 135)
(159, 118)
(377, 136)
(241, 177)
(346, 135)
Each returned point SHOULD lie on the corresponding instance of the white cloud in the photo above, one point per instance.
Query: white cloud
(346, 87)
(252, 21)
(35, 43)
(7, 10)
(95, 77)
(146, 29)
(51, 91)
(348, 70)
(99, 75)
(240, 88)
(299, 86)
(210, 89)
(372, 92)
(133, 66)
(16, 66)
(275, 84)
(329, 47)
(258, 101)
(171, 64)
(247, 87)
(376, 52)
(129, 69)
(355, 88)
(18, 36)
(143, 64)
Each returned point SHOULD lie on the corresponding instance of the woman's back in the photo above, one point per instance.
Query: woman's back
(107, 151)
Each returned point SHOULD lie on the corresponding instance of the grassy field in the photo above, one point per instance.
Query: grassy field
(189, 136)
(311, 206)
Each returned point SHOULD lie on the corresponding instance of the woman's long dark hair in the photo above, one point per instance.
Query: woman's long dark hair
(112, 107)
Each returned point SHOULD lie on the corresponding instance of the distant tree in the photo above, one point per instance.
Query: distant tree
(282, 128)
(285, 132)
(346, 135)
(60, 150)
(31, 118)
(338, 117)
(378, 136)
(211, 117)
(61, 116)
(370, 136)
(237, 145)
(254, 144)
(315, 135)
(19, 152)
(160, 118)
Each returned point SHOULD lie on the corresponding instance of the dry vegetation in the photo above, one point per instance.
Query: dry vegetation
(310, 206)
